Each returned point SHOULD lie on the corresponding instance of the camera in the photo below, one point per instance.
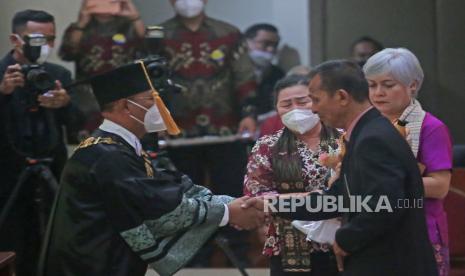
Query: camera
(160, 74)
(36, 50)
(37, 78)
(156, 64)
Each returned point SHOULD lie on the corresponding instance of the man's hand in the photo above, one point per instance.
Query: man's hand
(255, 202)
(248, 124)
(259, 204)
(340, 254)
(244, 215)
(55, 98)
(11, 79)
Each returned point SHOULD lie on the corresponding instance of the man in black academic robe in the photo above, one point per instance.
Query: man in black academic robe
(115, 214)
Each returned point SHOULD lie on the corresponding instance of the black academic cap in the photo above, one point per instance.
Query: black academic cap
(125, 81)
(132, 79)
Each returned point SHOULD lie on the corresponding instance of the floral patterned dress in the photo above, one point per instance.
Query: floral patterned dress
(282, 238)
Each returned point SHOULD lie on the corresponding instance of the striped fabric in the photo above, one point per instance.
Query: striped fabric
(169, 242)
(414, 115)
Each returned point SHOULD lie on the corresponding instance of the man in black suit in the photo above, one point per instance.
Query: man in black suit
(378, 163)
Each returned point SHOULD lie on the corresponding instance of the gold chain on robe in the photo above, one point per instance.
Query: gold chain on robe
(107, 140)
(147, 163)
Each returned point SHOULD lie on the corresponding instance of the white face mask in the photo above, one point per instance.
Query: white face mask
(188, 8)
(45, 52)
(300, 120)
(153, 122)
(261, 58)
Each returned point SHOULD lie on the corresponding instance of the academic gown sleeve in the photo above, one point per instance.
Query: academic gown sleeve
(164, 219)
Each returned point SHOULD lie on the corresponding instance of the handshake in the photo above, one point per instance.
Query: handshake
(247, 213)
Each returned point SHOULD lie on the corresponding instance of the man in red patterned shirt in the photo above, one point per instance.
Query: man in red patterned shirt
(209, 60)
(98, 43)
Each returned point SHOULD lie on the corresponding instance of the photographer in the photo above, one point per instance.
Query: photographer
(34, 107)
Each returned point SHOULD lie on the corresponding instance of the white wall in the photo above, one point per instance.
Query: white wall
(291, 17)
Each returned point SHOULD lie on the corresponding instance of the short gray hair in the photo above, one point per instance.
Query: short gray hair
(400, 63)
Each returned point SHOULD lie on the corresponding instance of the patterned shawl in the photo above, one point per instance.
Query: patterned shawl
(414, 116)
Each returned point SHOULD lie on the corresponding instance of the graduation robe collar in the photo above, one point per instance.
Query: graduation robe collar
(126, 135)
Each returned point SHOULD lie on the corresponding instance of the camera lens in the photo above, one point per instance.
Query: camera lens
(40, 79)
(156, 69)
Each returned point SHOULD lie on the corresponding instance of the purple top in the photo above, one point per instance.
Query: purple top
(435, 153)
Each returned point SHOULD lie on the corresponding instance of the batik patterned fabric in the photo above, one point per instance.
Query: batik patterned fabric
(216, 73)
(103, 47)
(282, 238)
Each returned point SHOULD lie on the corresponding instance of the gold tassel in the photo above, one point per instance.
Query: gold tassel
(171, 126)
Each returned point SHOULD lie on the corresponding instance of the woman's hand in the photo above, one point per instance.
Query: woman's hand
(437, 184)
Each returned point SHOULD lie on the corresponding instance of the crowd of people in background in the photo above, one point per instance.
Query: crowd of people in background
(230, 86)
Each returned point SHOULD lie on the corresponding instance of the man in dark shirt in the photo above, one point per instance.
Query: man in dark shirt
(363, 48)
(31, 126)
(262, 41)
